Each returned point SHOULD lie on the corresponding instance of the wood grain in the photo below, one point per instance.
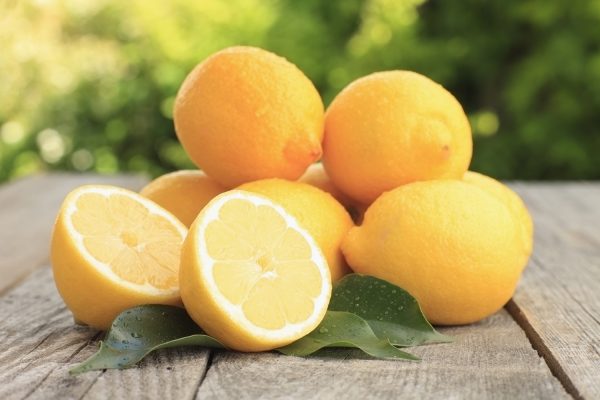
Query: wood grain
(489, 360)
(40, 343)
(27, 211)
(558, 302)
(38, 335)
(170, 374)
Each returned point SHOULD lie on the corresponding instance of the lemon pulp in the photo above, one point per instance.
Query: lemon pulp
(258, 262)
(138, 246)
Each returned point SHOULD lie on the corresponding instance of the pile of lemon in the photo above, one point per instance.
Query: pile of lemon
(251, 245)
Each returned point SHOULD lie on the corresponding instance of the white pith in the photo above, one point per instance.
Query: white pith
(103, 268)
(234, 311)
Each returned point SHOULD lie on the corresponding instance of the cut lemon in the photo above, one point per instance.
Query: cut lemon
(112, 249)
(250, 275)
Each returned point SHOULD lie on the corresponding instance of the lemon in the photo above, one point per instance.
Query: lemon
(113, 249)
(512, 201)
(317, 211)
(316, 176)
(245, 114)
(453, 246)
(183, 193)
(391, 128)
(251, 276)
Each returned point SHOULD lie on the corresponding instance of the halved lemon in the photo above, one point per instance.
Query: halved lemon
(250, 275)
(113, 249)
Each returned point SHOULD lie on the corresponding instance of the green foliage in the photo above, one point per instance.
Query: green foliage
(90, 85)
(365, 312)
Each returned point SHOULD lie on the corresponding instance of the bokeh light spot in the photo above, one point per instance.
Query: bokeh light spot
(486, 123)
(106, 162)
(166, 107)
(82, 159)
(12, 132)
(51, 144)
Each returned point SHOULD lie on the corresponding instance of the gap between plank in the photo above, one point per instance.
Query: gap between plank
(542, 349)
(209, 362)
(91, 385)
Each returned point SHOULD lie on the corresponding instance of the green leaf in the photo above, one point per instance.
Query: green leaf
(391, 312)
(344, 329)
(365, 313)
(140, 330)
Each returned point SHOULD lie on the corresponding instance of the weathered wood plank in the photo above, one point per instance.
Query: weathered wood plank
(27, 210)
(558, 302)
(37, 335)
(171, 374)
(489, 360)
(40, 343)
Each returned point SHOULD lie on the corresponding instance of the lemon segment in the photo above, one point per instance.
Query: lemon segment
(251, 276)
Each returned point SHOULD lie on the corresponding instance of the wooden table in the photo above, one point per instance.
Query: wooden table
(545, 344)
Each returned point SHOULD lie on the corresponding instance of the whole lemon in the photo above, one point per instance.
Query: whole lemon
(183, 193)
(453, 246)
(391, 128)
(512, 201)
(317, 211)
(245, 114)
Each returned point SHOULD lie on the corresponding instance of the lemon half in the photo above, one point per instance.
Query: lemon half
(251, 276)
(112, 249)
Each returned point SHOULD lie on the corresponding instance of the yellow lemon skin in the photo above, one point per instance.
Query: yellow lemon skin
(183, 193)
(450, 244)
(317, 211)
(391, 128)
(93, 297)
(316, 176)
(511, 200)
(245, 114)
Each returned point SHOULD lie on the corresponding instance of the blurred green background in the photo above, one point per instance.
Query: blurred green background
(89, 85)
